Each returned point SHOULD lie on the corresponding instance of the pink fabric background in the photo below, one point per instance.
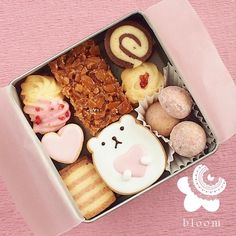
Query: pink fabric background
(32, 31)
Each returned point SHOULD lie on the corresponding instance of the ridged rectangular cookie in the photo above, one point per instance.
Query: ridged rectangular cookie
(85, 78)
(89, 191)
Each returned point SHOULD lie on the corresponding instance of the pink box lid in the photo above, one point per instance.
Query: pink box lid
(189, 46)
(30, 175)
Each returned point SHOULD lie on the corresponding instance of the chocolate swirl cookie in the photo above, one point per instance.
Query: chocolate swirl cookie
(128, 44)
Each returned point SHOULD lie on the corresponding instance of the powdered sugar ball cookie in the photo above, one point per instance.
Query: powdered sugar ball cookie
(128, 156)
(159, 120)
(188, 139)
(175, 101)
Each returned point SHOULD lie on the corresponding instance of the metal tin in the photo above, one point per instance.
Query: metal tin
(150, 16)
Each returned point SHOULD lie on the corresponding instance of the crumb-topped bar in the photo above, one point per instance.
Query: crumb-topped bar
(86, 79)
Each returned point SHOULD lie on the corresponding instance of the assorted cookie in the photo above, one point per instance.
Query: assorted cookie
(188, 138)
(135, 157)
(176, 101)
(159, 119)
(48, 116)
(43, 102)
(87, 188)
(139, 82)
(80, 109)
(128, 44)
(165, 117)
(87, 81)
(38, 87)
(66, 145)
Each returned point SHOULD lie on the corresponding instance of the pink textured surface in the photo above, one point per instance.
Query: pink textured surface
(32, 31)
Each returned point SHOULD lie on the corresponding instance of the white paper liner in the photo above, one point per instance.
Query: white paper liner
(175, 161)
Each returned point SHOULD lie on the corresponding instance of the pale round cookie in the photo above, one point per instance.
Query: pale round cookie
(188, 139)
(159, 120)
(175, 101)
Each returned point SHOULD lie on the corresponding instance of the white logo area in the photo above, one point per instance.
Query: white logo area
(201, 189)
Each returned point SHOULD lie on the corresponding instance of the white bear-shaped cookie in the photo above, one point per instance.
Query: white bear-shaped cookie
(128, 156)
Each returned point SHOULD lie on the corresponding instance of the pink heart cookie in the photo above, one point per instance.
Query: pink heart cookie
(66, 145)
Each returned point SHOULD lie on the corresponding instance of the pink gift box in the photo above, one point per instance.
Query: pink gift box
(29, 173)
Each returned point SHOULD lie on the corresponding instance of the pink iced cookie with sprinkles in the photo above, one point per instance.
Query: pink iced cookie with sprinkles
(188, 139)
(175, 101)
(48, 116)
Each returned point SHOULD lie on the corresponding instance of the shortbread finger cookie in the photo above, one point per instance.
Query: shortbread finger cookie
(89, 191)
(128, 44)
